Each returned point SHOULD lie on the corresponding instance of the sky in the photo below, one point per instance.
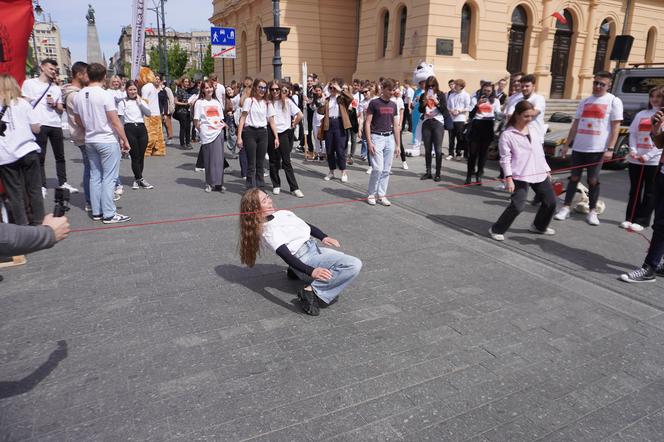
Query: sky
(112, 15)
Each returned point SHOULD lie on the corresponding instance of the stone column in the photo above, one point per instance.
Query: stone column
(587, 63)
(544, 46)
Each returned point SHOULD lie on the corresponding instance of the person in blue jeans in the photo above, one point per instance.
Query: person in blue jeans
(383, 139)
(326, 271)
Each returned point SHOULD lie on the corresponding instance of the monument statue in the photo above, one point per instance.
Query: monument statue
(90, 16)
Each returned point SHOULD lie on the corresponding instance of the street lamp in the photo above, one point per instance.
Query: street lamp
(161, 36)
(276, 35)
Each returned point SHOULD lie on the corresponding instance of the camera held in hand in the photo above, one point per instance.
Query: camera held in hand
(61, 202)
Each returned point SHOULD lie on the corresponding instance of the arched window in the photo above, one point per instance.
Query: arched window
(466, 28)
(602, 45)
(651, 41)
(403, 17)
(259, 48)
(386, 29)
(517, 40)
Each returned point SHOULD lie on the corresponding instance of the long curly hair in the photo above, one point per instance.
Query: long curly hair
(251, 226)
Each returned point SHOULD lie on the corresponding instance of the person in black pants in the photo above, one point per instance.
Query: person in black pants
(182, 112)
(335, 124)
(433, 106)
(485, 106)
(132, 110)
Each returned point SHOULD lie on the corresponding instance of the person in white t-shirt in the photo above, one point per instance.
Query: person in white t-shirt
(19, 153)
(286, 117)
(219, 89)
(528, 93)
(458, 104)
(133, 110)
(209, 120)
(95, 111)
(45, 97)
(401, 115)
(594, 132)
(150, 93)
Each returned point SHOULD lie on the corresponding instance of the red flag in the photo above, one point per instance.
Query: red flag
(149, 31)
(16, 23)
(560, 17)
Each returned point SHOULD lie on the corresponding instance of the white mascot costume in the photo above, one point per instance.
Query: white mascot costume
(421, 73)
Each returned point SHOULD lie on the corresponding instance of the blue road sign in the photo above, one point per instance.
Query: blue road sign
(222, 36)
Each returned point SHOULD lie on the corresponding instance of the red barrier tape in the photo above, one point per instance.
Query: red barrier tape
(330, 203)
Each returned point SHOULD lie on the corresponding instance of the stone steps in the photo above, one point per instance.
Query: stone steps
(557, 105)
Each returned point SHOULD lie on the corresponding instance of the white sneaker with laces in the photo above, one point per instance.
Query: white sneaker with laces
(199, 169)
(625, 225)
(117, 218)
(384, 201)
(449, 157)
(548, 231)
(329, 176)
(634, 227)
(592, 218)
(276, 190)
(145, 185)
(344, 178)
(404, 166)
(208, 188)
(369, 170)
(298, 193)
(69, 187)
(134, 185)
(562, 214)
(44, 192)
(119, 189)
(496, 236)
(371, 200)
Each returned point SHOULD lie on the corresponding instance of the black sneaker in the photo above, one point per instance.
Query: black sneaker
(642, 274)
(290, 274)
(309, 302)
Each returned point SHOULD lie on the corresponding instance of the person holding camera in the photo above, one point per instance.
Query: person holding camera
(19, 154)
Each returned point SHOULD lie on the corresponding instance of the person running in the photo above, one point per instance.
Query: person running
(484, 107)
(326, 271)
(46, 98)
(522, 159)
(458, 103)
(182, 112)
(133, 110)
(19, 154)
(286, 117)
(382, 124)
(209, 121)
(335, 123)
(652, 265)
(594, 132)
(643, 161)
(257, 114)
(433, 107)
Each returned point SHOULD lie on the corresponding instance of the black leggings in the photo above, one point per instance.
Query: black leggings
(55, 136)
(457, 139)
(432, 134)
(480, 140)
(184, 118)
(137, 135)
(642, 180)
(254, 140)
(280, 158)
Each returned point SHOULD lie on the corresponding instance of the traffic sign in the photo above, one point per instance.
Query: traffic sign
(220, 51)
(222, 36)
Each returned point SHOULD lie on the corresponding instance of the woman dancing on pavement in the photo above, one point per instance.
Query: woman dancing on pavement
(327, 270)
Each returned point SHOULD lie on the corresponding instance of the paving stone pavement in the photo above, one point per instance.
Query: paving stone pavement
(156, 332)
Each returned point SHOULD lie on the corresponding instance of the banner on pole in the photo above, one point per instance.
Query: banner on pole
(137, 36)
(16, 21)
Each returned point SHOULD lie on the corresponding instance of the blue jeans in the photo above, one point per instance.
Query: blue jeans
(344, 269)
(381, 163)
(365, 148)
(86, 173)
(104, 160)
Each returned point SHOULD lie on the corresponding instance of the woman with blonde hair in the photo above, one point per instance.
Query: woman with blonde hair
(19, 154)
(149, 92)
(327, 271)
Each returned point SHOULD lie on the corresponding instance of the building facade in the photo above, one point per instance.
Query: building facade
(195, 43)
(65, 68)
(470, 39)
(48, 45)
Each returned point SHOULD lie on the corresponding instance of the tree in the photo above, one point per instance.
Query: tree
(208, 61)
(154, 59)
(177, 60)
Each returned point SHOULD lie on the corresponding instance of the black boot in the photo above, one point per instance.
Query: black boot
(439, 165)
(427, 175)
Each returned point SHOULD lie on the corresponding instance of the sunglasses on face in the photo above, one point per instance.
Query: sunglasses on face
(599, 84)
(275, 89)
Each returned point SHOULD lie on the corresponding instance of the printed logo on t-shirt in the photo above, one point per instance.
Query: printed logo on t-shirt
(592, 112)
(211, 111)
(485, 108)
(386, 110)
(644, 141)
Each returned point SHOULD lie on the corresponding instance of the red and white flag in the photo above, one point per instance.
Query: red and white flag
(137, 35)
(560, 17)
(16, 22)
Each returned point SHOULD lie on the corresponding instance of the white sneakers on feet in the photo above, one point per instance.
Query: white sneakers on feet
(119, 189)
(135, 185)
(298, 193)
(634, 227)
(208, 188)
(276, 190)
(562, 214)
(371, 200)
(548, 231)
(117, 218)
(404, 166)
(499, 186)
(496, 236)
(69, 187)
(593, 219)
(384, 201)
(199, 169)
(625, 225)
(329, 176)
(449, 157)
(344, 177)
(369, 170)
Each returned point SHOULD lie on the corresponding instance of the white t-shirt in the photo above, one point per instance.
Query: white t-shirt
(459, 101)
(258, 112)
(32, 89)
(400, 107)
(595, 115)
(220, 92)
(118, 95)
(150, 94)
(408, 95)
(640, 142)
(333, 108)
(19, 139)
(536, 100)
(284, 115)
(91, 105)
(286, 228)
(133, 111)
(486, 110)
(210, 113)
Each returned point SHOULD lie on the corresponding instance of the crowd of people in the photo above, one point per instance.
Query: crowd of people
(259, 122)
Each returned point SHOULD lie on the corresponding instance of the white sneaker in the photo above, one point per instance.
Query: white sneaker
(371, 200)
(329, 176)
(298, 193)
(119, 189)
(500, 186)
(267, 157)
(593, 220)
(625, 225)
(87, 208)
(636, 227)
(404, 166)
(344, 178)
(134, 185)
(562, 214)
(449, 157)
(369, 170)
(117, 218)
(44, 192)
(548, 231)
(145, 185)
(70, 188)
(266, 173)
(116, 197)
(208, 188)
(276, 190)
(384, 201)
(496, 236)
(199, 169)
